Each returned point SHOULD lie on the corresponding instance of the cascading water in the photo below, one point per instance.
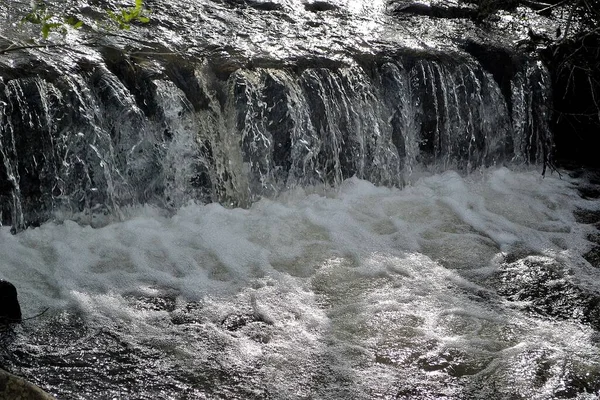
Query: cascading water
(290, 200)
(91, 141)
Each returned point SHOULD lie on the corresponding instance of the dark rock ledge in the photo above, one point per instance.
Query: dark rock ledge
(433, 10)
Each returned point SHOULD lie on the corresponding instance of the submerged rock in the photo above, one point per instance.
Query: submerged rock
(589, 217)
(544, 287)
(593, 256)
(10, 310)
(233, 322)
(589, 192)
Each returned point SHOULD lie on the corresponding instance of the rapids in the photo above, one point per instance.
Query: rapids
(359, 292)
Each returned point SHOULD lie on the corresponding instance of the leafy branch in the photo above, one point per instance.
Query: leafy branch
(128, 15)
(49, 22)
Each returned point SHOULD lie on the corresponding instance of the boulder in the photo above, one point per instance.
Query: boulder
(10, 310)
(14, 388)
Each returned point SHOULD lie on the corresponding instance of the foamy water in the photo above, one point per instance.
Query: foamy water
(356, 293)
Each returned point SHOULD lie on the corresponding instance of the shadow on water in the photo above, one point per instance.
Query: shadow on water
(72, 359)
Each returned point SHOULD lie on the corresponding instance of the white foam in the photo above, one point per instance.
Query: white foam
(207, 248)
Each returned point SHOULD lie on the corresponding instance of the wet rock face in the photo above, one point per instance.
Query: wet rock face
(257, 5)
(544, 287)
(10, 310)
(432, 10)
(576, 118)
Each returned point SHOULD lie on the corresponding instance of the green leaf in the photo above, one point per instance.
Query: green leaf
(45, 31)
(112, 15)
(32, 17)
(73, 22)
(125, 16)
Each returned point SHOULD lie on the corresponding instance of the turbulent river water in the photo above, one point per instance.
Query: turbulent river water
(454, 287)
(290, 200)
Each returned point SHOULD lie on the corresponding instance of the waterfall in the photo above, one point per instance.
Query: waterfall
(85, 139)
(291, 199)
